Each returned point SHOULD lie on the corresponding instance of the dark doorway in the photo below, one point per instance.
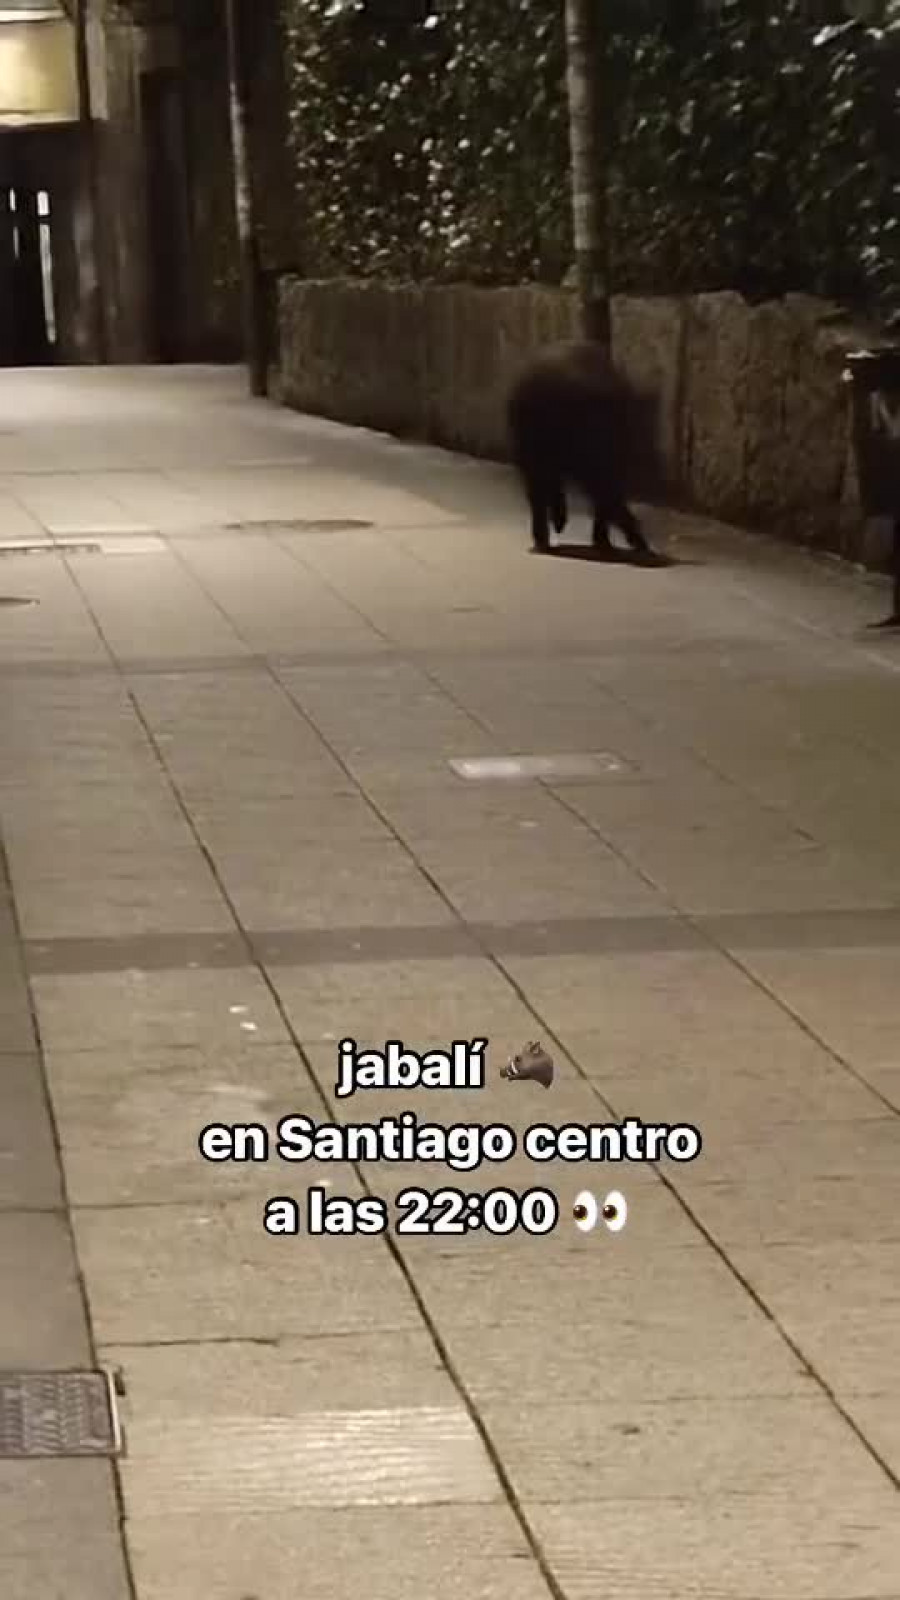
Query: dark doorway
(28, 325)
(163, 124)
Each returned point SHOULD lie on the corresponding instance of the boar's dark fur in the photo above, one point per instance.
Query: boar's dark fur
(574, 418)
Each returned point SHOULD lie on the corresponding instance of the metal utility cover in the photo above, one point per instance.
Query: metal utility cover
(298, 525)
(109, 528)
(533, 769)
(146, 544)
(69, 545)
(58, 1414)
(47, 547)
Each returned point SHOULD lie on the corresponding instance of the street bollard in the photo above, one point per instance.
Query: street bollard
(875, 377)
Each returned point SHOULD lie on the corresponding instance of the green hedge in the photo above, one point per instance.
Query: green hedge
(429, 142)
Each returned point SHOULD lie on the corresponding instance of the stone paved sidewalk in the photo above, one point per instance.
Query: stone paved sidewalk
(234, 837)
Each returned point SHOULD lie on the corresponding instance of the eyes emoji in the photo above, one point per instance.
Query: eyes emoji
(587, 1213)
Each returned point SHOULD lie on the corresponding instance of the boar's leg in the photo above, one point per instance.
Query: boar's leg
(625, 519)
(609, 509)
(559, 510)
(546, 499)
(600, 532)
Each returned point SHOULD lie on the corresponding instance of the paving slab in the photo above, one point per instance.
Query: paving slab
(43, 1324)
(136, 1009)
(130, 1128)
(704, 1053)
(885, 1080)
(135, 852)
(686, 1332)
(317, 1422)
(360, 885)
(877, 1419)
(16, 1025)
(798, 1209)
(263, 830)
(848, 998)
(704, 1449)
(800, 1282)
(766, 1546)
(410, 1456)
(178, 1272)
(808, 1149)
(30, 1177)
(418, 1001)
(65, 1566)
(526, 808)
(447, 1552)
(498, 878)
(657, 998)
(119, 907)
(335, 1372)
(731, 1097)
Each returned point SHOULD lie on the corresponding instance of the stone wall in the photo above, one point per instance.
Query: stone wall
(754, 417)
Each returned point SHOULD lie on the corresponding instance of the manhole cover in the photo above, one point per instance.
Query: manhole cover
(530, 769)
(298, 525)
(16, 600)
(58, 1414)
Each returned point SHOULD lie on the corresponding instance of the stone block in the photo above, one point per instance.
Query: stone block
(648, 340)
(717, 359)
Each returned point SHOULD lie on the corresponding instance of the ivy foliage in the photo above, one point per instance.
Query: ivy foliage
(749, 145)
(766, 159)
(429, 141)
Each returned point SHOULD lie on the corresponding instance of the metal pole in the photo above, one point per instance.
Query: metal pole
(251, 275)
(90, 168)
(588, 219)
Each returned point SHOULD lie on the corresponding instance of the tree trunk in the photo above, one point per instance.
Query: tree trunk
(583, 37)
(88, 150)
(251, 275)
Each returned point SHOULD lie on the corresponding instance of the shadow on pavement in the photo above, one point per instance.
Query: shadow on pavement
(617, 557)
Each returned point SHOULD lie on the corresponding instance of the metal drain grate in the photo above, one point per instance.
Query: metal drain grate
(58, 1414)
(533, 769)
(131, 544)
(113, 545)
(298, 525)
(269, 464)
(48, 547)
